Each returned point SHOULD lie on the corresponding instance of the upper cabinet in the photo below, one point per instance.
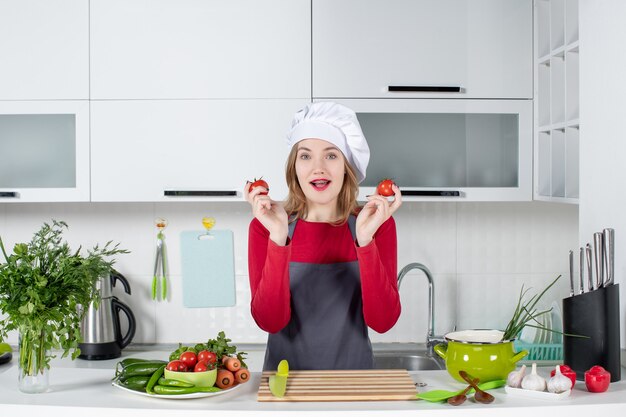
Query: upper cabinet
(187, 150)
(44, 47)
(422, 49)
(193, 49)
(557, 133)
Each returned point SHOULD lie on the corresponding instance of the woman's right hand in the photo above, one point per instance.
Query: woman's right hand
(270, 213)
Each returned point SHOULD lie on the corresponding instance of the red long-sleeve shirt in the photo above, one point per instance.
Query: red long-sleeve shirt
(322, 243)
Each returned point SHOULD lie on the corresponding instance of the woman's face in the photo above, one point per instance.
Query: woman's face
(320, 170)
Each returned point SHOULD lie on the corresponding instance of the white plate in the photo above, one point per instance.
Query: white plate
(540, 395)
(177, 397)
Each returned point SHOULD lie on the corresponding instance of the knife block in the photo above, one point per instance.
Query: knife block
(594, 314)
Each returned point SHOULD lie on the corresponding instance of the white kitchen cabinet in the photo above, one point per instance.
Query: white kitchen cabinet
(557, 136)
(44, 151)
(191, 49)
(44, 47)
(482, 47)
(449, 150)
(194, 150)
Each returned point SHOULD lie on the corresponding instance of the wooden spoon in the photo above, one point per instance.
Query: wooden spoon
(461, 396)
(480, 396)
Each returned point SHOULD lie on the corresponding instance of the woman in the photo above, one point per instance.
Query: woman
(322, 270)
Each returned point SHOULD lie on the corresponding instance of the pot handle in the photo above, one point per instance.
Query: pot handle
(117, 307)
(442, 350)
(519, 355)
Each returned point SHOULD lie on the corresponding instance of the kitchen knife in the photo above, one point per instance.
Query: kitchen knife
(581, 271)
(609, 255)
(598, 247)
(589, 268)
(571, 273)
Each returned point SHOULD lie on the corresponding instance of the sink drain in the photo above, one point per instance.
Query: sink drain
(420, 384)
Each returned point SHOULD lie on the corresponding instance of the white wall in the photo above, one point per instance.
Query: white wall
(602, 139)
(480, 255)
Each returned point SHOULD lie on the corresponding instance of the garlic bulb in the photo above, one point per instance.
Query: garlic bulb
(559, 383)
(534, 381)
(514, 380)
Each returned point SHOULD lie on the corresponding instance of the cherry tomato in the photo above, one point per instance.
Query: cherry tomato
(176, 366)
(259, 183)
(568, 372)
(384, 188)
(201, 367)
(207, 356)
(189, 359)
(597, 379)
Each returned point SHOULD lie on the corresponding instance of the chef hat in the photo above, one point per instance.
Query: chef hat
(336, 124)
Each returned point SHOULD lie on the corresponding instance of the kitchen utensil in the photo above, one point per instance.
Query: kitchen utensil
(440, 395)
(101, 327)
(342, 385)
(461, 397)
(598, 247)
(6, 357)
(571, 273)
(595, 315)
(609, 255)
(581, 271)
(159, 279)
(482, 353)
(589, 268)
(480, 395)
(208, 268)
(557, 323)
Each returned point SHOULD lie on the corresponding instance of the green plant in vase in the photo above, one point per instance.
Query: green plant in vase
(43, 283)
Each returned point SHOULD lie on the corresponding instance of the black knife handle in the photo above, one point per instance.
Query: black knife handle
(8, 194)
(424, 88)
(431, 193)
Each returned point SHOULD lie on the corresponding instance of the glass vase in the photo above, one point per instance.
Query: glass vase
(32, 362)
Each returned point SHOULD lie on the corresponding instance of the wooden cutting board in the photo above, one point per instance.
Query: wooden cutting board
(348, 385)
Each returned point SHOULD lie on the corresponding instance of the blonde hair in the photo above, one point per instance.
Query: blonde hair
(296, 206)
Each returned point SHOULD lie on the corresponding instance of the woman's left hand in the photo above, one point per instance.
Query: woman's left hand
(374, 213)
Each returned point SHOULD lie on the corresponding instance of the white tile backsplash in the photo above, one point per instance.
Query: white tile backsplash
(479, 253)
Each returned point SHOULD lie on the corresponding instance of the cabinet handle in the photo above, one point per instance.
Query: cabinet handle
(424, 89)
(8, 194)
(429, 193)
(199, 193)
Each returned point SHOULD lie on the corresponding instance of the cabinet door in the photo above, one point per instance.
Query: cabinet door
(143, 149)
(434, 149)
(44, 47)
(44, 151)
(361, 48)
(185, 49)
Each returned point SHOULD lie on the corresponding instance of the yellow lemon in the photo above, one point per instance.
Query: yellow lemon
(283, 368)
(278, 385)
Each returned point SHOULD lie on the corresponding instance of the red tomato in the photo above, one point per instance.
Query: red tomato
(384, 188)
(568, 372)
(201, 367)
(189, 358)
(207, 356)
(597, 379)
(259, 183)
(176, 366)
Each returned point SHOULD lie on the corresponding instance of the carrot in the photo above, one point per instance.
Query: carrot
(225, 378)
(242, 375)
(232, 364)
(225, 358)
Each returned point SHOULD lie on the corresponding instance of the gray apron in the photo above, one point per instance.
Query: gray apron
(327, 329)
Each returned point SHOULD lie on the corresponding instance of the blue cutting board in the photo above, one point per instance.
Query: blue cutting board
(208, 269)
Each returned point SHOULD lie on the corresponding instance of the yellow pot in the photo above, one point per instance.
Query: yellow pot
(481, 353)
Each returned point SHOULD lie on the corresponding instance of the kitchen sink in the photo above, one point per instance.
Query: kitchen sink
(411, 361)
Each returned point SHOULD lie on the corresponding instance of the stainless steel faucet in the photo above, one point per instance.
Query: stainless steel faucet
(431, 340)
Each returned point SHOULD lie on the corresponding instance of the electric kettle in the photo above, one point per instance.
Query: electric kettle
(100, 327)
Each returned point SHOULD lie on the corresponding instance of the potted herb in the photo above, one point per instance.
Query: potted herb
(42, 285)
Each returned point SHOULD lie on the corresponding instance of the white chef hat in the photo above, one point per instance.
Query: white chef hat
(336, 124)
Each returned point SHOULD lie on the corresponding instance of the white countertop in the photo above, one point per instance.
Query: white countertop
(83, 388)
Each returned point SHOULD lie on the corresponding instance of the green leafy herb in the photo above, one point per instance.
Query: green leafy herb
(43, 285)
(526, 313)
